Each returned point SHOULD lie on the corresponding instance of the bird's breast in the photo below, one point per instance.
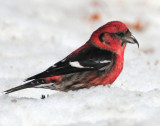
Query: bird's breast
(115, 69)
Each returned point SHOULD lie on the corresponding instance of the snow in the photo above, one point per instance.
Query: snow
(35, 34)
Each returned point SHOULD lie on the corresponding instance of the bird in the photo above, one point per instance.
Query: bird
(98, 62)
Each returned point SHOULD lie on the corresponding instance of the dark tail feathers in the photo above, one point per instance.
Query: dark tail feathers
(30, 84)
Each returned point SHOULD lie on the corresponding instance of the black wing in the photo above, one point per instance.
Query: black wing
(87, 59)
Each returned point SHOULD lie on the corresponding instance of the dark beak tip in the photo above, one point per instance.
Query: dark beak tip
(130, 39)
(137, 43)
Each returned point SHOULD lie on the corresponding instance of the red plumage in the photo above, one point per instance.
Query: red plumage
(98, 62)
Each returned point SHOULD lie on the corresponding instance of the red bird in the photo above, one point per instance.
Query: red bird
(98, 62)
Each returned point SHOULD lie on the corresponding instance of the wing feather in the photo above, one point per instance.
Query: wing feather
(88, 59)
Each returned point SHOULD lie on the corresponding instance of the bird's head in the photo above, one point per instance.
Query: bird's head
(113, 36)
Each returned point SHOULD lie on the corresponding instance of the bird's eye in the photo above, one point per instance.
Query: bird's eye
(101, 37)
(120, 34)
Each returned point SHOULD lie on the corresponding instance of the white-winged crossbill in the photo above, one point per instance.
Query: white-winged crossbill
(98, 62)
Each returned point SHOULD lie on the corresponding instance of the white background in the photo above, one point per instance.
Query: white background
(35, 34)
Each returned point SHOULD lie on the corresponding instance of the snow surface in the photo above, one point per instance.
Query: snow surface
(35, 34)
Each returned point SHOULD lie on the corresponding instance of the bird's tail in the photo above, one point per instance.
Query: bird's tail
(30, 84)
